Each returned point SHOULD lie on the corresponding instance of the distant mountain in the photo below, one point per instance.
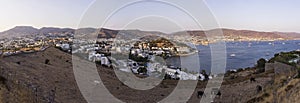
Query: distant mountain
(243, 33)
(129, 34)
(250, 34)
(289, 35)
(46, 30)
(19, 31)
(29, 30)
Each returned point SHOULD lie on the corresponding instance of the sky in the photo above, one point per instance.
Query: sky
(260, 15)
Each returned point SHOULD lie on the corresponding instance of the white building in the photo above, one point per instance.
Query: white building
(183, 50)
(105, 61)
(65, 46)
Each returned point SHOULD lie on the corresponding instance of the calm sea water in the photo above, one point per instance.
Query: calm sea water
(239, 54)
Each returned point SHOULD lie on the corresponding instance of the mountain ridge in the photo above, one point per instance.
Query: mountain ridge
(111, 33)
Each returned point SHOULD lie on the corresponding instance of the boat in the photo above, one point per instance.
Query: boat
(249, 44)
(232, 55)
(271, 43)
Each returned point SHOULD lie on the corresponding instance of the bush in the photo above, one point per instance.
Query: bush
(47, 61)
(18, 63)
(284, 57)
(261, 63)
(142, 70)
(3, 79)
(167, 76)
(298, 76)
(289, 87)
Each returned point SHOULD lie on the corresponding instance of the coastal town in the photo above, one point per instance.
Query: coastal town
(103, 51)
(145, 57)
(139, 56)
(136, 57)
(149, 51)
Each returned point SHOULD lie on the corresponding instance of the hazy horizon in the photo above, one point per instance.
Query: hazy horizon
(256, 15)
(141, 30)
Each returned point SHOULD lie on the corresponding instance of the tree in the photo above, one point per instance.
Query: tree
(206, 76)
(203, 72)
(142, 70)
(47, 61)
(261, 63)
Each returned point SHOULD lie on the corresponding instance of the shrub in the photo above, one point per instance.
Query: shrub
(3, 79)
(298, 76)
(142, 70)
(47, 61)
(261, 63)
(289, 87)
(18, 63)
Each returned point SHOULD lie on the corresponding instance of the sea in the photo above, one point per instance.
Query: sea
(237, 54)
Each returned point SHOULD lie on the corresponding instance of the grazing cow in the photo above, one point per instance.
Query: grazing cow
(252, 79)
(200, 94)
(259, 88)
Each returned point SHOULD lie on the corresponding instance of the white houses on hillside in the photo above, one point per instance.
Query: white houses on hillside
(95, 57)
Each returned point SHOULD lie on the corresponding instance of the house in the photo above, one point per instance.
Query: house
(175, 74)
(154, 48)
(105, 61)
(93, 56)
(144, 55)
(65, 46)
(296, 60)
(7, 53)
(201, 77)
(58, 45)
(158, 52)
(183, 50)
(134, 66)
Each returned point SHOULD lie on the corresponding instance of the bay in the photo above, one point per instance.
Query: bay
(238, 54)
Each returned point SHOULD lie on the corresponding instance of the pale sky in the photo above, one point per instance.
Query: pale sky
(261, 15)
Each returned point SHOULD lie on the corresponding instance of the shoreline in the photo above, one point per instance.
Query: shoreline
(207, 44)
(187, 54)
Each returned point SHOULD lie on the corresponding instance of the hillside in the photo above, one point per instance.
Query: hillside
(19, 31)
(29, 80)
(25, 78)
(46, 30)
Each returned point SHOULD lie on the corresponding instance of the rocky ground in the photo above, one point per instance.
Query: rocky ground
(26, 78)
